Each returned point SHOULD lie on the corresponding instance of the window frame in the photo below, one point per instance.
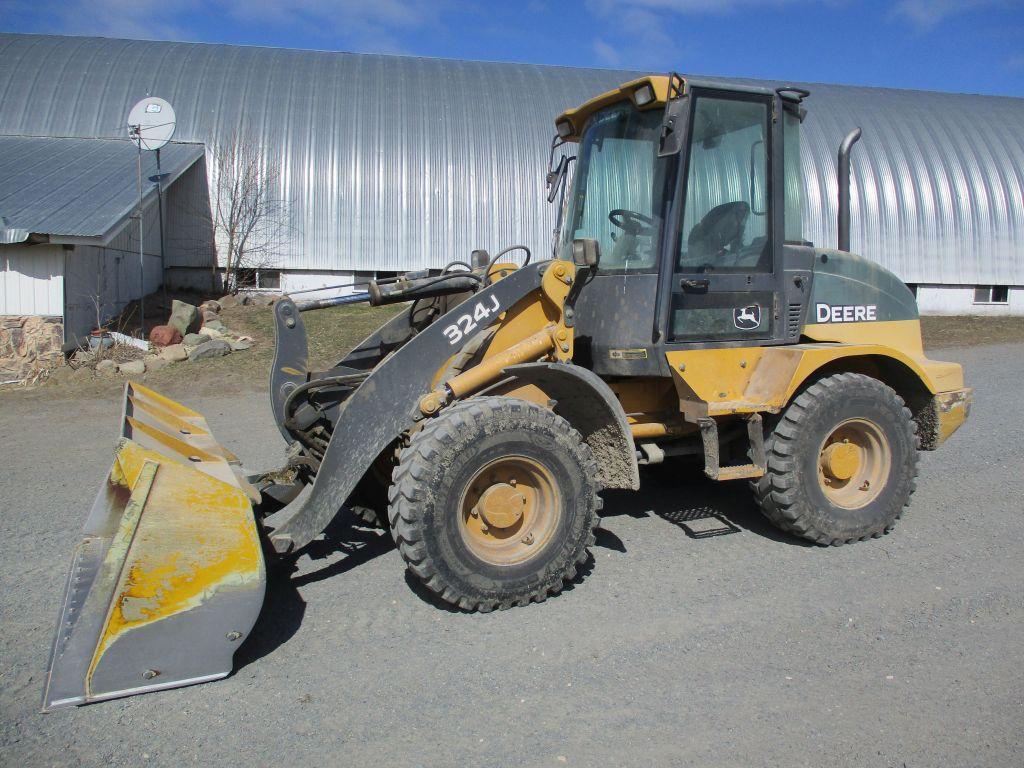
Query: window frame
(770, 213)
(991, 300)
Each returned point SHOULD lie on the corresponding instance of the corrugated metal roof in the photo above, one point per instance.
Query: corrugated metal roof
(79, 187)
(398, 162)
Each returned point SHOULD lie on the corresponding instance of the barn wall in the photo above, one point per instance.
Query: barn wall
(31, 280)
(395, 163)
(110, 276)
(959, 300)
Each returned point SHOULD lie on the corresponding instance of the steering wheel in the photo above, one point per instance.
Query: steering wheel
(721, 228)
(631, 222)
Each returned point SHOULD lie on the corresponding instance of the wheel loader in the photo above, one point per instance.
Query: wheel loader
(682, 314)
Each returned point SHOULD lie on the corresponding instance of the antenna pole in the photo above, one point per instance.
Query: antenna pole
(160, 209)
(142, 256)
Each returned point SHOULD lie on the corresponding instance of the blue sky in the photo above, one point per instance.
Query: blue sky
(974, 46)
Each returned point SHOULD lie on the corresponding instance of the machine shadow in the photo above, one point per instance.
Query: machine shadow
(284, 607)
(681, 494)
(677, 492)
(429, 597)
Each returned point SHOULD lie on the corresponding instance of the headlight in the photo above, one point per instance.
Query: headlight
(564, 128)
(643, 95)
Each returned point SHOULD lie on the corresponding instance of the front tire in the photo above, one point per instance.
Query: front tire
(494, 503)
(842, 462)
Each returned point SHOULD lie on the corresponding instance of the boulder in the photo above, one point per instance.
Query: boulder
(238, 345)
(212, 348)
(213, 325)
(164, 335)
(106, 368)
(132, 368)
(174, 353)
(210, 306)
(208, 315)
(195, 339)
(231, 301)
(184, 317)
(261, 300)
(156, 362)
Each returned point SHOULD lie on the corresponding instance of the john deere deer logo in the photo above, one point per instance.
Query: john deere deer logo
(747, 318)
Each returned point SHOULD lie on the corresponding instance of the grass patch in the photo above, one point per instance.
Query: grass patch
(969, 331)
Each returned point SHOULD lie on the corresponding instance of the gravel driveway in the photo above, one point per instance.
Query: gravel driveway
(745, 648)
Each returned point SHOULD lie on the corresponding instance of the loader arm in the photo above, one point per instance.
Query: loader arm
(387, 402)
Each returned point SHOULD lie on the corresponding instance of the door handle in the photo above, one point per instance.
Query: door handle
(695, 286)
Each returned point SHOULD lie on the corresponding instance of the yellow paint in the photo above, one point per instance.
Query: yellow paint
(904, 335)
(578, 116)
(520, 330)
(166, 402)
(841, 460)
(183, 535)
(717, 382)
(953, 409)
(536, 310)
(152, 408)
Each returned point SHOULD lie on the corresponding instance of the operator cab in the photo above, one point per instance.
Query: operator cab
(692, 191)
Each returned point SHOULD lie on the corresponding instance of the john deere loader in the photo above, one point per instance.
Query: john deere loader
(682, 313)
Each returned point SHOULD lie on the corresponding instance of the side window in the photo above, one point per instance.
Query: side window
(726, 219)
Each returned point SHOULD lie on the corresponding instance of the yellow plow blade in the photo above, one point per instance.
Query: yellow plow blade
(169, 577)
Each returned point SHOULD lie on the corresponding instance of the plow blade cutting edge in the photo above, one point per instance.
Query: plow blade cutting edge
(168, 578)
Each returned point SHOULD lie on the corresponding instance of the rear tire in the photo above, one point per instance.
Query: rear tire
(842, 462)
(494, 503)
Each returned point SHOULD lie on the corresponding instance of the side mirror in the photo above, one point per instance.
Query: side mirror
(556, 177)
(673, 127)
(586, 252)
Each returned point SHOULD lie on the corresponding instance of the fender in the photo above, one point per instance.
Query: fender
(384, 405)
(583, 399)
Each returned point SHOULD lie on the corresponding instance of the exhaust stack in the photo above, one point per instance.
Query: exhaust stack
(844, 187)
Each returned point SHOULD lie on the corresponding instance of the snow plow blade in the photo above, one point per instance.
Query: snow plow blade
(169, 577)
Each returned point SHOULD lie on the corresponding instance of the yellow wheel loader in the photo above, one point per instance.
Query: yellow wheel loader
(683, 313)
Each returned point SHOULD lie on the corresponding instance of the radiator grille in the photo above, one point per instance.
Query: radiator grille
(793, 318)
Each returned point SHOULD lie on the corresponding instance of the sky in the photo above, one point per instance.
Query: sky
(973, 46)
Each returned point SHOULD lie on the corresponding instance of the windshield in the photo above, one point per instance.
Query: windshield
(613, 198)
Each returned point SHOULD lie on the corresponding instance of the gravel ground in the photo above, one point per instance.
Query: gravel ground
(747, 649)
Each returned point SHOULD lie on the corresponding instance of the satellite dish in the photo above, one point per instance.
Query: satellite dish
(151, 123)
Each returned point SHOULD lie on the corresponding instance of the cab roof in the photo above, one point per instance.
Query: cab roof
(659, 84)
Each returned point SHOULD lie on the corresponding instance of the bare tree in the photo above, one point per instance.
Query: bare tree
(248, 215)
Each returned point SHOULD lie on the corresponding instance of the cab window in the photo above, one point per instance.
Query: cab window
(726, 218)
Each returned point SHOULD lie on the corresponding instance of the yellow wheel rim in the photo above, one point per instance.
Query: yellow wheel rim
(854, 463)
(509, 510)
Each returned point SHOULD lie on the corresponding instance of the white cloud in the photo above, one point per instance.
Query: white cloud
(697, 6)
(350, 24)
(637, 38)
(924, 15)
(607, 53)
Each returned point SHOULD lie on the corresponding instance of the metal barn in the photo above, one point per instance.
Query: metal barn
(391, 163)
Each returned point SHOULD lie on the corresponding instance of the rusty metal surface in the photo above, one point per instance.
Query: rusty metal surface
(168, 578)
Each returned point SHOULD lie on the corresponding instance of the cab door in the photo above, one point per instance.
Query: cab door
(724, 257)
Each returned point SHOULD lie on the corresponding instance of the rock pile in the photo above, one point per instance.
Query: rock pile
(191, 333)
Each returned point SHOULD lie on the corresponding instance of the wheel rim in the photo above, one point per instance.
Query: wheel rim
(854, 463)
(509, 511)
